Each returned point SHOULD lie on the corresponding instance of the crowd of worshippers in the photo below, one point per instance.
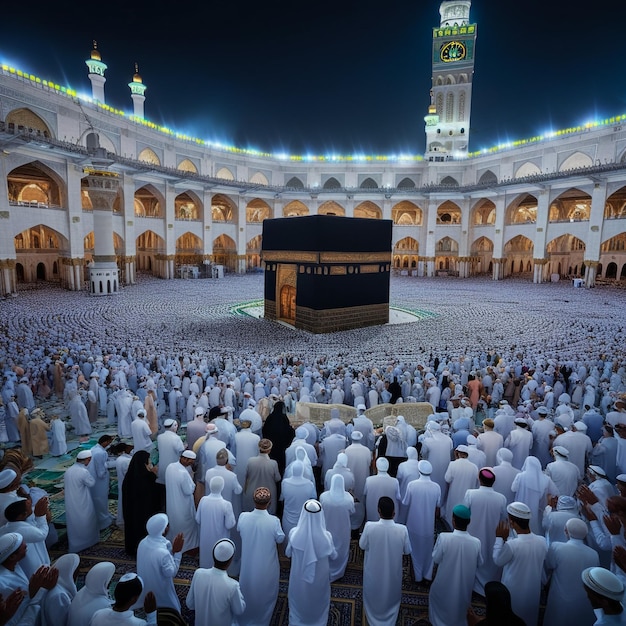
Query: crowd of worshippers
(526, 465)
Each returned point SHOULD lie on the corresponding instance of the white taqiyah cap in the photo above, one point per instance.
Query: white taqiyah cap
(83, 454)
(425, 468)
(361, 407)
(7, 476)
(357, 435)
(189, 454)
(519, 509)
(603, 582)
(223, 550)
(9, 543)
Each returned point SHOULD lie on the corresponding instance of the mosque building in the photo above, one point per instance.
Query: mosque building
(93, 195)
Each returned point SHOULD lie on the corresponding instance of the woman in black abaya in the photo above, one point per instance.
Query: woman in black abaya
(280, 432)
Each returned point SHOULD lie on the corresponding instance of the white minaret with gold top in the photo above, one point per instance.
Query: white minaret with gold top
(137, 89)
(96, 74)
(448, 119)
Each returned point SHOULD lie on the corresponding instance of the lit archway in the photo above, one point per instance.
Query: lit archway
(225, 252)
(406, 213)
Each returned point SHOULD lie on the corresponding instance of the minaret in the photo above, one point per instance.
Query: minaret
(448, 119)
(96, 74)
(137, 89)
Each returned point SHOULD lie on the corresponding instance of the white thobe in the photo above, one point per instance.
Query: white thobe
(170, 447)
(295, 491)
(109, 617)
(80, 513)
(28, 611)
(337, 514)
(541, 440)
(564, 475)
(458, 556)
(260, 569)
(180, 506)
(216, 598)
(34, 534)
(121, 468)
(157, 567)
(436, 449)
(488, 507)
(566, 605)
(215, 518)
(384, 543)
(505, 475)
(522, 561)
(359, 462)
(460, 476)
(100, 491)
(519, 442)
(490, 442)
(58, 444)
(247, 447)
(579, 446)
(421, 500)
(330, 447)
(78, 416)
(141, 435)
(375, 488)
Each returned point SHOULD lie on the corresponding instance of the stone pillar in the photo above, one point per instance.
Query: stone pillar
(539, 266)
(590, 273)
(241, 239)
(429, 265)
(497, 269)
(349, 206)
(103, 274)
(8, 278)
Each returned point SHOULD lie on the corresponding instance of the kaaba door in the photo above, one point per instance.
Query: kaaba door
(288, 303)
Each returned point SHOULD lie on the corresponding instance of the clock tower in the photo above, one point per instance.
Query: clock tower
(448, 119)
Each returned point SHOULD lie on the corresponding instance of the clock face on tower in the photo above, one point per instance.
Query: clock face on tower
(453, 51)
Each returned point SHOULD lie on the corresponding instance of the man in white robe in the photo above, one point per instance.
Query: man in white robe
(384, 543)
(566, 606)
(505, 474)
(142, 435)
(541, 429)
(170, 447)
(437, 450)
(458, 556)
(578, 444)
(522, 558)
(179, 497)
(216, 599)
(80, 512)
(564, 475)
(359, 463)
(78, 417)
(519, 442)
(461, 475)
(215, 518)
(260, 570)
(99, 470)
(605, 592)
(422, 502)
(301, 440)
(158, 561)
(247, 444)
(379, 485)
(295, 491)
(489, 442)
(488, 508)
(363, 424)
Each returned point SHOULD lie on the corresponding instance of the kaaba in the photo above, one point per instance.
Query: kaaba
(326, 273)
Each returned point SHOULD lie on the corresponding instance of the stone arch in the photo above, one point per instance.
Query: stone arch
(186, 165)
(481, 255)
(330, 207)
(446, 245)
(148, 155)
(450, 80)
(406, 213)
(258, 210)
(406, 183)
(24, 119)
(572, 205)
(448, 213)
(614, 244)
(149, 202)
(518, 251)
(449, 181)
(148, 245)
(34, 184)
(87, 205)
(253, 252)
(187, 206)
(294, 183)
(368, 210)
(225, 174)
(527, 169)
(576, 161)
(37, 249)
(369, 183)
(225, 252)
(295, 208)
(615, 206)
(406, 254)
(188, 243)
(488, 178)
(259, 179)
(484, 212)
(332, 183)
(522, 210)
(223, 209)
(566, 252)
(446, 256)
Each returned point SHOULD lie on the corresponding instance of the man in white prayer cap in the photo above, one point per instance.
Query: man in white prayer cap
(564, 474)
(142, 435)
(422, 502)
(18, 589)
(80, 512)
(128, 590)
(170, 447)
(310, 547)
(522, 558)
(180, 504)
(519, 442)
(461, 475)
(295, 491)
(363, 424)
(216, 599)
(384, 543)
(260, 570)
(605, 592)
(359, 463)
(436, 449)
(505, 474)
(565, 562)
(379, 485)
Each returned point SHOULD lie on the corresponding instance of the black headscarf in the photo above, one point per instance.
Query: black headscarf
(140, 500)
(499, 610)
(280, 432)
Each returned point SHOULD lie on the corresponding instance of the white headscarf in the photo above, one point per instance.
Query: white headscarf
(67, 564)
(531, 477)
(311, 537)
(504, 456)
(93, 596)
(216, 485)
(337, 491)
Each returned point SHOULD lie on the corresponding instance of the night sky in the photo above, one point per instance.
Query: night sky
(331, 77)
